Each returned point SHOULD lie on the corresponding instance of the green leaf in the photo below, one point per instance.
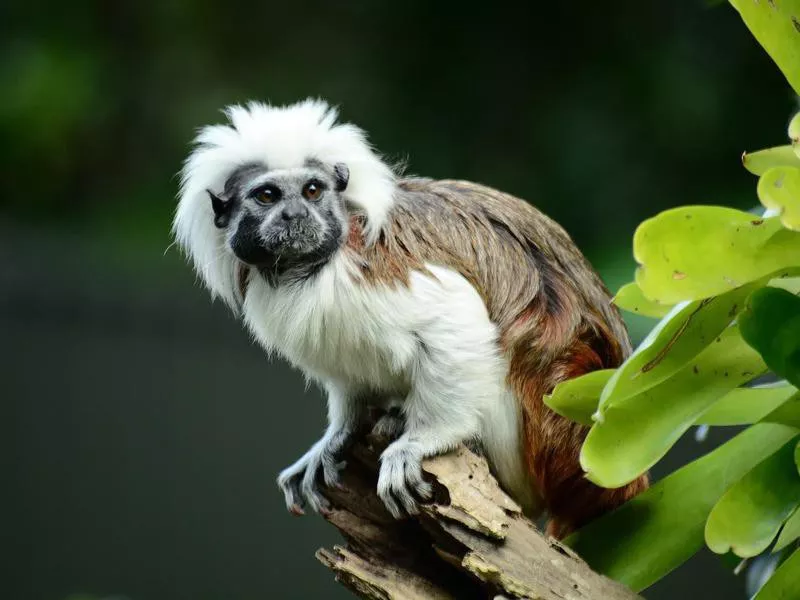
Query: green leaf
(743, 406)
(774, 23)
(779, 191)
(787, 413)
(771, 324)
(661, 528)
(630, 298)
(673, 342)
(632, 434)
(794, 132)
(790, 284)
(790, 531)
(785, 581)
(780, 156)
(695, 252)
(750, 514)
(577, 398)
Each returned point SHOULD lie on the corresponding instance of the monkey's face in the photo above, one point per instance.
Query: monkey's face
(283, 221)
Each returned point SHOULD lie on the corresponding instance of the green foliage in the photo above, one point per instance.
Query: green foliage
(744, 406)
(724, 285)
(784, 583)
(634, 433)
(780, 156)
(750, 514)
(630, 298)
(658, 530)
(771, 325)
(778, 190)
(790, 532)
(700, 251)
(775, 25)
(576, 398)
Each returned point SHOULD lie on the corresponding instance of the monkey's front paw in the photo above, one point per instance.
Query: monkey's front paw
(299, 482)
(400, 482)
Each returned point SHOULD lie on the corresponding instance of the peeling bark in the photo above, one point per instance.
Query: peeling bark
(471, 542)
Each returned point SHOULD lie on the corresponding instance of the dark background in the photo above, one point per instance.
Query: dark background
(144, 429)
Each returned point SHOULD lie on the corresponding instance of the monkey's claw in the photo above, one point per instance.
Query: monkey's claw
(400, 482)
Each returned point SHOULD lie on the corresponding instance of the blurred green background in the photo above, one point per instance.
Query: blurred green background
(144, 429)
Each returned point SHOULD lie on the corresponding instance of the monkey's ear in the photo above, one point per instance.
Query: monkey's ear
(222, 210)
(342, 174)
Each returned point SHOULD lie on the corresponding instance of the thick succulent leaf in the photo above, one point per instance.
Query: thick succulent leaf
(577, 398)
(788, 413)
(632, 434)
(630, 298)
(794, 132)
(779, 190)
(695, 252)
(771, 324)
(785, 581)
(775, 24)
(759, 162)
(661, 528)
(790, 531)
(743, 406)
(679, 337)
(790, 284)
(749, 515)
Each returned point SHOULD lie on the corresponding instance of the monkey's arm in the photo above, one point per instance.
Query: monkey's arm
(455, 375)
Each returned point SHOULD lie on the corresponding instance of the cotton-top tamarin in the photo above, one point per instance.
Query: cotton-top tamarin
(453, 304)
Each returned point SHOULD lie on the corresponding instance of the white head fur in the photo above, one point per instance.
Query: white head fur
(282, 137)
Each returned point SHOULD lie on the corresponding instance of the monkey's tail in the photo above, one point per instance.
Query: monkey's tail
(552, 443)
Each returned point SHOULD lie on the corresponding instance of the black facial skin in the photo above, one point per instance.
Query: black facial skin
(288, 233)
(246, 242)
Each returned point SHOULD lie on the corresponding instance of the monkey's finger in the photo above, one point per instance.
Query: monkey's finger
(331, 474)
(292, 497)
(391, 504)
(385, 493)
(318, 502)
(423, 490)
(406, 498)
(392, 488)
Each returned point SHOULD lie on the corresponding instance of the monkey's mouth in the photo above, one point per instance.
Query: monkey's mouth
(282, 247)
(295, 238)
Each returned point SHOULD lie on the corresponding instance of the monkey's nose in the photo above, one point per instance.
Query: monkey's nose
(294, 211)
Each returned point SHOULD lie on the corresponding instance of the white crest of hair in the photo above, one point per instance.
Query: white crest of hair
(281, 137)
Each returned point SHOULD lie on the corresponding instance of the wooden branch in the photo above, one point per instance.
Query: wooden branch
(471, 542)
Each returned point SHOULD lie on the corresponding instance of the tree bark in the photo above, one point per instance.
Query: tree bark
(472, 541)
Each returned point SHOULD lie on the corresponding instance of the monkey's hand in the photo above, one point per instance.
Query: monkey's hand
(400, 482)
(299, 481)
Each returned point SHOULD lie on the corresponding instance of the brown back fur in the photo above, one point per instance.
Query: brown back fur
(552, 310)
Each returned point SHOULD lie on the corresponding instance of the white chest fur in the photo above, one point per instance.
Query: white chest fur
(436, 333)
(336, 328)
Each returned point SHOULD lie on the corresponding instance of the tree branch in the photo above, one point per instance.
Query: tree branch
(471, 542)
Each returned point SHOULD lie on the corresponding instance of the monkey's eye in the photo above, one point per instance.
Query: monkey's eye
(267, 194)
(312, 190)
